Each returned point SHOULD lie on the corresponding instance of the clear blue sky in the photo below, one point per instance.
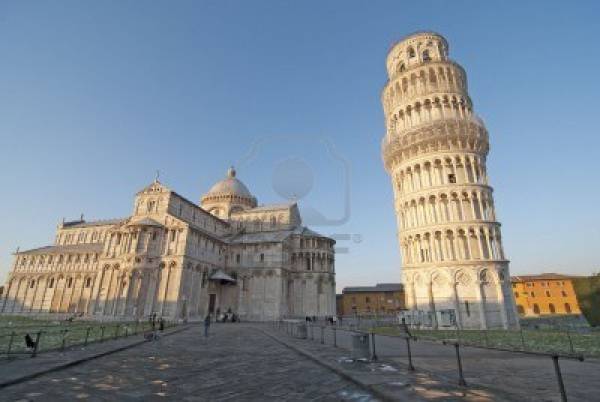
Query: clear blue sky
(95, 96)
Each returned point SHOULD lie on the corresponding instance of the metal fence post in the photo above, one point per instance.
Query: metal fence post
(116, 332)
(102, 333)
(87, 335)
(374, 355)
(334, 337)
(410, 364)
(461, 378)
(10, 342)
(37, 343)
(322, 335)
(522, 338)
(561, 384)
(135, 330)
(64, 339)
(570, 343)
(486, 338)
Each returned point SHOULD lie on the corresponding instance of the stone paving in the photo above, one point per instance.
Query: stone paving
(237, 362)
(506, 375)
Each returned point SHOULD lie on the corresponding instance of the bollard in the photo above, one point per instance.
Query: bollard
(374, 354)
(322, 335)
(10, 342)
(116, 332)
(37, 343)
(461, 378)
(561, 384)
(408, 352)
(102, 333)
(87, 335)
(334, 337)
(135, 330)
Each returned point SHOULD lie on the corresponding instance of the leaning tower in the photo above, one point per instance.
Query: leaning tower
(435, 150)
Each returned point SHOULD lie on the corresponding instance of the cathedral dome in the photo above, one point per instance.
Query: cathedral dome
(230, 186)
(227, 196)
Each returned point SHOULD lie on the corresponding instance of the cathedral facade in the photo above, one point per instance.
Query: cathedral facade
(180, 260)
(435, 151)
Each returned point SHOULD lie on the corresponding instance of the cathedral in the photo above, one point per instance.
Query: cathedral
(180, 261)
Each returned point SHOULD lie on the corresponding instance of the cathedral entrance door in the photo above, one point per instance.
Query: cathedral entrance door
(212, 298)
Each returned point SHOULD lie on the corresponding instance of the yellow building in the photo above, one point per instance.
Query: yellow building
(545, 294)
(384, 298)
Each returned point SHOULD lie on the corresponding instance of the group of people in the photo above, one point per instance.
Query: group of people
(155, 322)
(228, 316)
(331, 320)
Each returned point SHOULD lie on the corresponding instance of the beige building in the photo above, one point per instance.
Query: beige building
(180, 260)
(435, 150)
(383, 298)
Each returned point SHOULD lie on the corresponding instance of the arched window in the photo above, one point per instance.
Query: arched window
(88, 282)
(536, 309)
(568, 308)
(411, 52)
(69, 282)
(551, 308)
(51, 284)
(32, 284)
(402, 67)
(520, 309)
(426, 56)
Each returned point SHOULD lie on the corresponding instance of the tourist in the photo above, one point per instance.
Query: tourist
(206, 325)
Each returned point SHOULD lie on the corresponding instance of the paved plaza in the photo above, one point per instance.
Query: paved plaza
(256, 362)
(236, 363)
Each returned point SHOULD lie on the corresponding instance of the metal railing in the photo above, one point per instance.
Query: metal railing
(328, 332)
(45, 338)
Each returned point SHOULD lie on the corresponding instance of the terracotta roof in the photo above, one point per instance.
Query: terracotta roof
(268, 207)
(145, 222)
(380, 287)
(69, 248)
(541, 277)
(84, 224)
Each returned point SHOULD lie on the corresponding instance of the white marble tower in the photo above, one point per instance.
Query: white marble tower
(435, 150)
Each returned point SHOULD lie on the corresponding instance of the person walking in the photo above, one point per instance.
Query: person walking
(206, 325)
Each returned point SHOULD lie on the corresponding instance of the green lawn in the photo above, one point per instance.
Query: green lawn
(53, 334)
(530, 340)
